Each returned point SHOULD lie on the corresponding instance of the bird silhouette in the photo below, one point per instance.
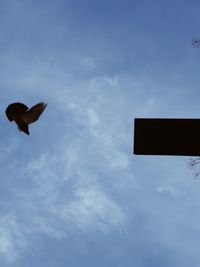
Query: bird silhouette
(23, 116)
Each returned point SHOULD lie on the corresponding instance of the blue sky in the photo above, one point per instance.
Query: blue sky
(72, 193)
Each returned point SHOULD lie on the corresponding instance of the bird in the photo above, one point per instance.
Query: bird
(23, 116)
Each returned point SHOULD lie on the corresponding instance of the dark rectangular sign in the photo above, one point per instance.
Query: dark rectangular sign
(178, 137)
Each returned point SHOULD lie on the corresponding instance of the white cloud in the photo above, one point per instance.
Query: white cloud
(170, 190)
(12, 240)
(63, 187)
(92, 209)
(84, 204)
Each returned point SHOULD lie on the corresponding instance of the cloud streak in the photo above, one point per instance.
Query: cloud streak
(61, 190)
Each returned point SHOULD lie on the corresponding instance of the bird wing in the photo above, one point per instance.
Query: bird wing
(34, 113)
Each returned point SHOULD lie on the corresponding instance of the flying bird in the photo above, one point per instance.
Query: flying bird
(23, 116)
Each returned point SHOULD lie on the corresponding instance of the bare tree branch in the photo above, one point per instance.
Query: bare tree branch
(195, 42)
(193, 164)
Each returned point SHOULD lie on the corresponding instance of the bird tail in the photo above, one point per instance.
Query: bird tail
(22, 125)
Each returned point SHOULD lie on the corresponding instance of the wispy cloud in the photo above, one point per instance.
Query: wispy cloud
(12, 240)
(61, 189)
(76, 172)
